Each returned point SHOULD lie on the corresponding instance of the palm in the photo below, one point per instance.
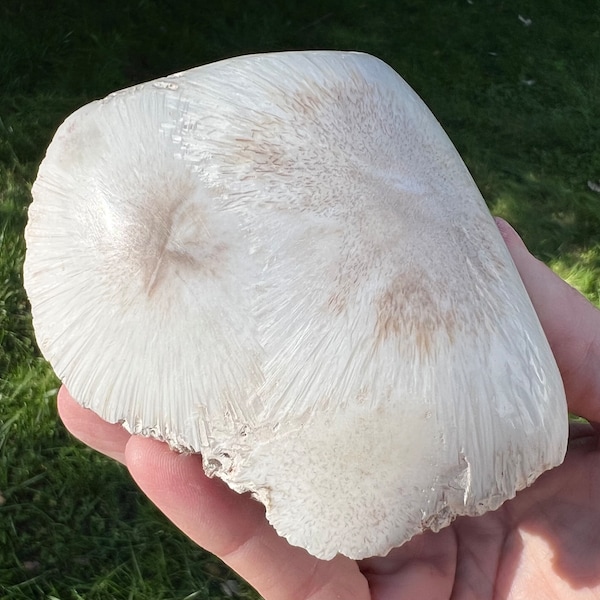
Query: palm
(545, 543)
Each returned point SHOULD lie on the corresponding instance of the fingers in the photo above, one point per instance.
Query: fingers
(234, 527)
(571, 323)
(228, 524)
(91, 429)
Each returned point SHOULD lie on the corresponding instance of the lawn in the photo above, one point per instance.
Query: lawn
(515, 84)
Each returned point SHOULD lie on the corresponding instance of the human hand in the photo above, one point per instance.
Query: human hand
(543, 544)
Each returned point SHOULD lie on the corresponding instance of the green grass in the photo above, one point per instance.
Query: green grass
(520, 102)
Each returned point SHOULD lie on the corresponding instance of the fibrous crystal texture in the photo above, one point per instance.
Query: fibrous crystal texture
(280, 261)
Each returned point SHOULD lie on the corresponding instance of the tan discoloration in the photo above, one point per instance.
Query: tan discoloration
(165, 235)
(182, 261)
(308, 103)
(429, 307)
(409, 308)
(310, 113)
(187, 249)
(337, 303)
